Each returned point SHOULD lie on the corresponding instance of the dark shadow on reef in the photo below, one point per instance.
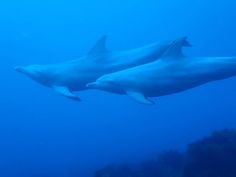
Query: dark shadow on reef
(213, 156)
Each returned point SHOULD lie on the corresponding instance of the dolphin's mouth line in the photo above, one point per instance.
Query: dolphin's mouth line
(91, 85)
(19, 69)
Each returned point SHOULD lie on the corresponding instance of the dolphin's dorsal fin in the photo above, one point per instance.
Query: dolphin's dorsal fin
(175, 49)
(66, 92)
(139, 97)
(99, 47)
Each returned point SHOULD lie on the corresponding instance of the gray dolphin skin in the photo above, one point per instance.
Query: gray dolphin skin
(172, 73)
(70, 76)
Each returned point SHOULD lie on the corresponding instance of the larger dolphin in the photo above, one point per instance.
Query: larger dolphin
(70, 76)
(172, 73)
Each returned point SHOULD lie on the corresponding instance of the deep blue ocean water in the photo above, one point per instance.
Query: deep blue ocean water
(45, 135)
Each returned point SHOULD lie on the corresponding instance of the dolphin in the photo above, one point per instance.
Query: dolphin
(172, 73)
(70, 76)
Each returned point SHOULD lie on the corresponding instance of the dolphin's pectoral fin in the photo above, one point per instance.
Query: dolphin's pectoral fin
(66, 92)
(99, 47)
(139, 97)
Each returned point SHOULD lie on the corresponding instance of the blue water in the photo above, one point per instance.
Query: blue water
(45, 135)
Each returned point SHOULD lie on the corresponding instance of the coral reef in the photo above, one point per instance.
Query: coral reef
(115, 171)
(168, 164)
(213, 156)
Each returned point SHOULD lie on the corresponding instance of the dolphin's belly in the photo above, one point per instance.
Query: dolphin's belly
(166, 89)
(171, 85)
(174, 78)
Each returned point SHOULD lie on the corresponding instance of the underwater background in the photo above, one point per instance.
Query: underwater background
(43, 134)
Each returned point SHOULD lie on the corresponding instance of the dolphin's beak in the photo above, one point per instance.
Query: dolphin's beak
(92, 85)
(19, 69)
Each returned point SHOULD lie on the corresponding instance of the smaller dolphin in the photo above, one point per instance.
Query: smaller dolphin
(70, 76)
(172, 73)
